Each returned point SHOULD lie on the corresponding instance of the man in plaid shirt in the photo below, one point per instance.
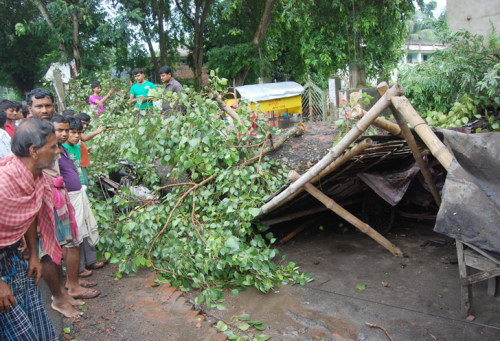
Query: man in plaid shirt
(26, 201)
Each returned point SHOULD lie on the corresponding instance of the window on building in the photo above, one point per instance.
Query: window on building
(409, 59)
(425, 57)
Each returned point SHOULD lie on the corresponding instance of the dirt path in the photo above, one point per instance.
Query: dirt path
(135, 308)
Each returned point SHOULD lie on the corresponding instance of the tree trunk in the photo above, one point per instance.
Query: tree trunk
(260, 34)
(76, 41)
(257, 40)
(199, 26)
(45, 14)
(151, 49)
(357, 75)
(239, 79)
(161, 30)
(198, 59)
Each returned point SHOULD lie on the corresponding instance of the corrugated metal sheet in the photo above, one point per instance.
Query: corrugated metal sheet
(269, 91)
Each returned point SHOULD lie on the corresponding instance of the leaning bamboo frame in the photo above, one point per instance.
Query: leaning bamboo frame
(360, 127)
(402, 109)
(408, 136)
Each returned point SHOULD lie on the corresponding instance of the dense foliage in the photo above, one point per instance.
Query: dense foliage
(202, 234)
(302, 38)
(328, 36)
(457, 83)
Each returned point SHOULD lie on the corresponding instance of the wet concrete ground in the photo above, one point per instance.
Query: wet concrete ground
(414, 298)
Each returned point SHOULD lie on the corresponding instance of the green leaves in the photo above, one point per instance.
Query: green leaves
(455, 83)
(208, 238)
(221, 326)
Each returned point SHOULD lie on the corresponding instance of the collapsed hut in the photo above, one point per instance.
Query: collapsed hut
(468, 203)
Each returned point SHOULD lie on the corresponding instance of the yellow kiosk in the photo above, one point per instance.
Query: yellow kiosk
(275, 100)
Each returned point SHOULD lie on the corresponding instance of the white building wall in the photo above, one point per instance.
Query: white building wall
(473, 15)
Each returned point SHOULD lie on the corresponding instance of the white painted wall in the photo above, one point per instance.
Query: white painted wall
(473, 15)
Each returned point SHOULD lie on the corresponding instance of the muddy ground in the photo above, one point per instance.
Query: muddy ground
(414, 298)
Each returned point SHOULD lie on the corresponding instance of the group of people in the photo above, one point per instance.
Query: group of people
(46, 217)
(139, 91)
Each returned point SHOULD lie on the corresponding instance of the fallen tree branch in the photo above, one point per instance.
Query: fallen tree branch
(224, 106)
(298, 130)
(193, 218)
(177, 204)
(371, 325)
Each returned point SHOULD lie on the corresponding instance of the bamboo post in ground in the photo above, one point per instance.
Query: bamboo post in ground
(332, 205)
(410, 139)
(437, 148)
(360, 127)
(380, 122)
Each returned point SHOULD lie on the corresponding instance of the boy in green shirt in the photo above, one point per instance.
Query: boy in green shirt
(139, 91)
(72, 146)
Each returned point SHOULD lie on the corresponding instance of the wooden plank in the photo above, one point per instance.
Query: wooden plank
(477, 261)
(465, 291)
(482, 252)
(481, 276)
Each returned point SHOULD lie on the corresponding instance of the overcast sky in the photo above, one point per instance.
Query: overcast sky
(441, 6)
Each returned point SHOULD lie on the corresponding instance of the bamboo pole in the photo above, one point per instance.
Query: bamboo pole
(298, 230)
(361, 126)
(380, 122)
(332, 205)
(358, 148)
(437, 148)
(410, 139)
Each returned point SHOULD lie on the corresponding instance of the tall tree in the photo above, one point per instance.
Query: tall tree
(329, 36)
(23, 60)
(236, 44)
(68, 19)
(140, 13)
(152, 17)
(257, 40)
(197, 22)
(45, 13)
(159, 7)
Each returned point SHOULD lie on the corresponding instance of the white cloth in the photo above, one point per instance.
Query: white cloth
(87, 225)
(5, 146)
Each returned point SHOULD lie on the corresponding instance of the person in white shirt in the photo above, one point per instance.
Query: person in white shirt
(5, 147)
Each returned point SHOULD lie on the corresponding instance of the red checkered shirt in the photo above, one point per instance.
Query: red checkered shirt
(22, 199)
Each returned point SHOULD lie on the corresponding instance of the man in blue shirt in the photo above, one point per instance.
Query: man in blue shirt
(139, 91)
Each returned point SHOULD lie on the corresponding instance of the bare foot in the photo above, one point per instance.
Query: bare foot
(66, 309)
(72, 301)
(86, 283)
(82, 292)
(75, 302)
